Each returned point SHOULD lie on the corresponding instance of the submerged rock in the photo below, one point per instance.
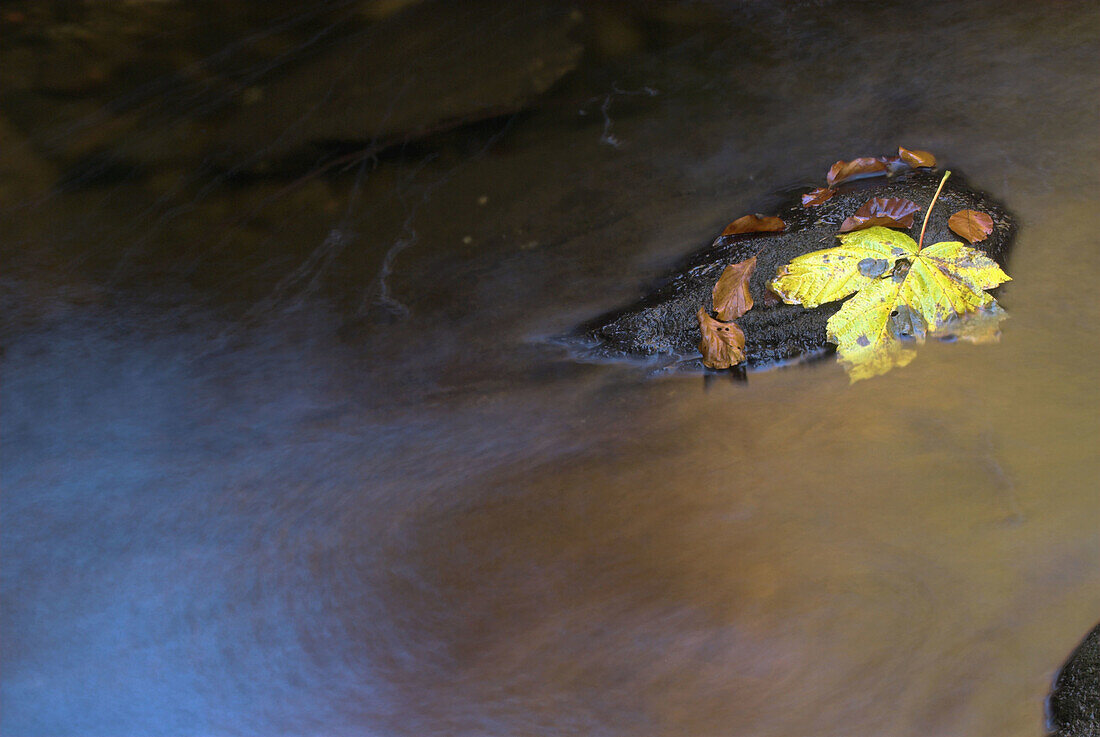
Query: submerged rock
(1074, 705)
(664, 322)
(264, 89)
(429, 67)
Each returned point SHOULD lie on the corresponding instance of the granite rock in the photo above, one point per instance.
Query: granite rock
(1074, 705)
(663, 323)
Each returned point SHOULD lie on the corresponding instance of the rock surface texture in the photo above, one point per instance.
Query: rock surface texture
(664, 322)
(1074, 706)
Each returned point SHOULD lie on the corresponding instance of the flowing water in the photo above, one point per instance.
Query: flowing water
(291, 453)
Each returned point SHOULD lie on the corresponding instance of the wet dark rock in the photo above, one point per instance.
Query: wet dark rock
(1074, 705)
(663, 324)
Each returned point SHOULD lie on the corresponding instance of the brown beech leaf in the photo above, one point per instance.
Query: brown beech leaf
(771, 299)
(755, 224)
(972, 225)
(723, 343)
(817, 196)
(916, 159)
(868, 166)
(892, 212)
(731, 293)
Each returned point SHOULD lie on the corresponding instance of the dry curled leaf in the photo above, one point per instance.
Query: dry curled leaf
(916, 159)
(972, 225)
(731, 293)
(891, 212)
(755, 224)
(723, 343)
(817, 196)
(867, 166)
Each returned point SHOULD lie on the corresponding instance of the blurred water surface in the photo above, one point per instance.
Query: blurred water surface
(286, 450)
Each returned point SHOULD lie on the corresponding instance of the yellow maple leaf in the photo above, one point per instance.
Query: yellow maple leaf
(902, 292)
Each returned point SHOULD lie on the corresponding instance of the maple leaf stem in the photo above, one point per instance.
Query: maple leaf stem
(928, 213)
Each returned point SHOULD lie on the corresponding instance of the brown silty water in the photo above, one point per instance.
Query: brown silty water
(289, 453)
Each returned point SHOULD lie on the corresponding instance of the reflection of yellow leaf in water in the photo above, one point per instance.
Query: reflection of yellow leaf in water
(901, 293)
(980, 326)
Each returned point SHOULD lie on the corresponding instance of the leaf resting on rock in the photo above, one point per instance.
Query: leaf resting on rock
(916, 159)
(723, 343)
(901, 293)
(891, 212)
(972, 225)
(755, 224)
(731, 293)
(818, 196)
(867, 166)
